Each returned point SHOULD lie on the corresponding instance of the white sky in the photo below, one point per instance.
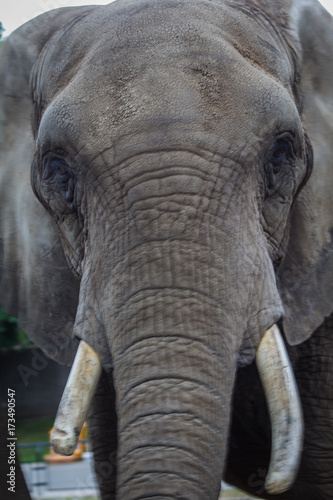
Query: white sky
(16, 12)
(13, 13)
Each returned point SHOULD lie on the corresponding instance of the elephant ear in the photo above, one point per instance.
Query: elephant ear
(305, 278)
(36, 284)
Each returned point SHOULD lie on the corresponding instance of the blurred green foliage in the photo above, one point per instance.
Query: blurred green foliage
(2, 29)
(11, 336)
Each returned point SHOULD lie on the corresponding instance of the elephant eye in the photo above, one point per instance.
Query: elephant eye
(57, 169)
(279, 154)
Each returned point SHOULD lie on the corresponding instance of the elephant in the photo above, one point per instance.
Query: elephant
(166, 213)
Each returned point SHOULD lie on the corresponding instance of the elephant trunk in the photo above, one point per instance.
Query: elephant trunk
(174, 340)
(174, 351)
(173, 396)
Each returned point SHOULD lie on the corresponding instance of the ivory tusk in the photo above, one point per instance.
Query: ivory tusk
(76, 399)
(285, 411)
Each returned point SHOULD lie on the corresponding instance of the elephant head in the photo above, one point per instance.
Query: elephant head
(169, 148)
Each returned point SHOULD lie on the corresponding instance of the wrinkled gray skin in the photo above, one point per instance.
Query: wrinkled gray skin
(169, 142)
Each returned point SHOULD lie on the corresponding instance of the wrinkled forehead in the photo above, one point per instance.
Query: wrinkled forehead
(125, 38)
(191, 73)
